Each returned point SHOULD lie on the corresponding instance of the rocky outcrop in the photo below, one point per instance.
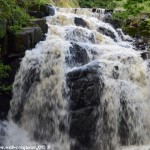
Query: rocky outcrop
(80, 22)
(77, 55)
(13, 47)
(23, 40)
(107, 32)
(85, 91)
(41, 11)
(42, 24)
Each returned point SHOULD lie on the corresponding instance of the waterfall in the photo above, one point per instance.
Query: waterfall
(84, 87)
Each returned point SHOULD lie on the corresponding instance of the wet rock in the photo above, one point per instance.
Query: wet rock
(139, 44)
(4, 105)
(145, 55)
(109, 11)
(48, 10)
(41, 11)
(85, 86)
(77, 55)
(23, 40)
(36, 14)
(80, 35)
(107, 32)
(80, 22)
(94, 10)
(42, 24)
(82, 127)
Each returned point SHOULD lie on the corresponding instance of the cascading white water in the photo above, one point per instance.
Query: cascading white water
(39, 108)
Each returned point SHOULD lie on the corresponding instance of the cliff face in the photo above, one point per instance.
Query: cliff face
(13, 47)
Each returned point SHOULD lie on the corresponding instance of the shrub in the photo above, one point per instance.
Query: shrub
(4, 73)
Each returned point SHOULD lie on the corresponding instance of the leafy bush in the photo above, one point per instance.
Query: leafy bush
(4, 73)
(16, 17)
(4, 70)
(96, 3)
(134, 17)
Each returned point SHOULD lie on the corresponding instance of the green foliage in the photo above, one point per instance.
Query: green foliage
(26, 4)
(5, 88)
(16, 16)
(96, 3)
(133, 8)
(15, 11)
(135, 17)
(2, 28)
(4, 73)
(4, 70)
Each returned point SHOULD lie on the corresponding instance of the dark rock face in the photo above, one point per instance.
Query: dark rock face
(24, 40)
(4, 105)
(85, 91)
(80, 22)
(36, 14)
(48, 10)
(107, 32)
(42, 11)
(82, 127)
(145, 55)
(42, 24)
(77, 55)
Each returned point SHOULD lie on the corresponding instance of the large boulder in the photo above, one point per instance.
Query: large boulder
(80, 22)
(85, 86)
(77, 55)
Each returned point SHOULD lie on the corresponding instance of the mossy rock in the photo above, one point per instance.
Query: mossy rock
(39, 11)
(42, 24)
(23, 40)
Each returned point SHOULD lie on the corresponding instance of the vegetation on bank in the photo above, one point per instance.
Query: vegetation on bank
(4, 69)
(15, 11)
(133, 15)
(13, 17)
(135, 18)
